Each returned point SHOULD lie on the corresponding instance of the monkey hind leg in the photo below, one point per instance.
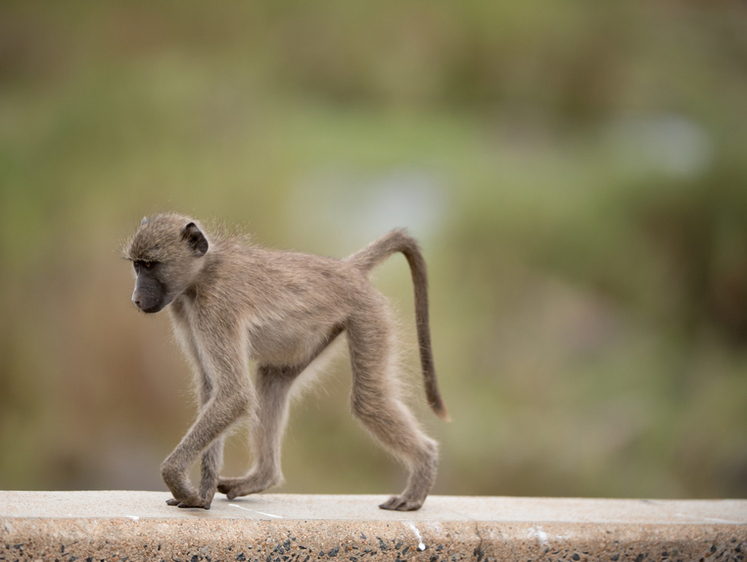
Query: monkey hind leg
(416, 450)
(273, 386)
(388, 419)
(377, 403)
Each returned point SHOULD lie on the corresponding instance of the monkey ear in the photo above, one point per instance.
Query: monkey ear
(195, 238)
(145, 220)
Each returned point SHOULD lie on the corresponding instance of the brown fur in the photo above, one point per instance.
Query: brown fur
(232, 301)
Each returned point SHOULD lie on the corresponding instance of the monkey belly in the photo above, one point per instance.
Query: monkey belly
(285, 346)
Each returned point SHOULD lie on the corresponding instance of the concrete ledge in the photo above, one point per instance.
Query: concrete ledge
(95, 526)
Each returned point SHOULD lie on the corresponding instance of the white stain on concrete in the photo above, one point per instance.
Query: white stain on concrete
(133, 517)
(538, 534)
(255, 511)
(421, 546)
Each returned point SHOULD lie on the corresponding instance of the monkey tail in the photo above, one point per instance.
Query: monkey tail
(376, 252)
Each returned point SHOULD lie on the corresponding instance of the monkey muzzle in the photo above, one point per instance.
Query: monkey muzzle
(148, 305)
(149, 295)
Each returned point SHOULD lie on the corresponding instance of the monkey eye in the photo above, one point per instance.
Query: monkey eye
(144, 264)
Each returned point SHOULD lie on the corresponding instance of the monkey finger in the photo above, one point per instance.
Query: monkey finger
(172, 501)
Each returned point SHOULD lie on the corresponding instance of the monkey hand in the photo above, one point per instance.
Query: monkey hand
(401, 503)
(204, 504)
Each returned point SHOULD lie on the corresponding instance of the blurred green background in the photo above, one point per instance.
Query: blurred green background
(576, 173)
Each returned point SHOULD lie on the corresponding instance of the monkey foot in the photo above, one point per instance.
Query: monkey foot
(235, 487)
(401, 503)
(225, 485)
(245, 490)
(190, 503)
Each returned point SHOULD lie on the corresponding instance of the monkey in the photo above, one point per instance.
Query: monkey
(232, 301)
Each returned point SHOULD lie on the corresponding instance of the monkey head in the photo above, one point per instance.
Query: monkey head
(167, 253)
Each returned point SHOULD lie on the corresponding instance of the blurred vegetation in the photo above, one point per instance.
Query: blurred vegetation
(576, 173)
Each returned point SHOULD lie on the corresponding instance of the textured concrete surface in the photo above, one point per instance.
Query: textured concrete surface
(117, 525)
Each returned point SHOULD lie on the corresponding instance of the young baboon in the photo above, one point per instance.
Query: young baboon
(231, 301)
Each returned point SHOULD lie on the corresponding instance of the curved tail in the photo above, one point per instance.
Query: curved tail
(376, 252)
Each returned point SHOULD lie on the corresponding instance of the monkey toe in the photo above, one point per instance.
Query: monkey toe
(172, 501)
(400, 503)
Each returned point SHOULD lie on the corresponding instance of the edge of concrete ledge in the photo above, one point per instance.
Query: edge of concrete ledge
(119, 525)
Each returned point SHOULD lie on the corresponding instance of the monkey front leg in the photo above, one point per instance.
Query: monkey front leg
(212, 459)
(227, 374)
(216, 417)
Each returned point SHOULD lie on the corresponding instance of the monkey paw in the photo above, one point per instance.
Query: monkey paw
(401, 503)
(225, 485)
(195, 502)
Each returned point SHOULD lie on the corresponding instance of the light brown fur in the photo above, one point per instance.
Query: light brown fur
(231, 301)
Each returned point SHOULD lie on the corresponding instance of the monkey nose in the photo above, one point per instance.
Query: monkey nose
(136, 299)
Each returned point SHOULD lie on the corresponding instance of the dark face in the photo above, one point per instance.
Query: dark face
(166, 255)
(151, 294)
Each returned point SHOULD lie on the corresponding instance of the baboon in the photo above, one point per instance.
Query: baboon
(231, 301)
